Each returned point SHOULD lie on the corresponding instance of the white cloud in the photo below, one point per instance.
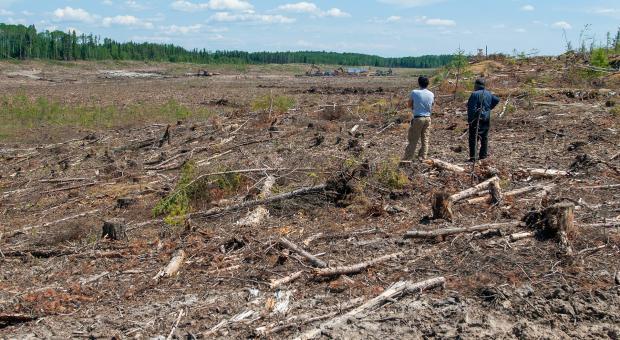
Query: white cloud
(73, 14)
(27, 13)
(126, 20)
(411, 3)
(499, 26)
(174, 29)
(393, 18)
(562, 24)
(227, 5)
(5, 12)
(520, 30)
(440, 22)
(107, 2)
(528, 8)
(300, 7)
(134, 5)
(251, 17)
(335, 13)
(311, 8)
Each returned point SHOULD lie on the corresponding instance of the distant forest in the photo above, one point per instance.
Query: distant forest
(24, 42)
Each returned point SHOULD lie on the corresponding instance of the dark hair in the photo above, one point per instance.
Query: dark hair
(479, 84)
(423, 82)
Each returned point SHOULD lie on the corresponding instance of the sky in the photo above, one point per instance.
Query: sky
(392, 28)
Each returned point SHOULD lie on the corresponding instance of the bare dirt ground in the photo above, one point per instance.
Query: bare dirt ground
(59, 279)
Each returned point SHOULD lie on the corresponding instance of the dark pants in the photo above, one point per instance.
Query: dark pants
(483, 139)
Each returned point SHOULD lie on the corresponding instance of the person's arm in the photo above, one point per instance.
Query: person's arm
(410, 101)
(471, 105)
(494, 101)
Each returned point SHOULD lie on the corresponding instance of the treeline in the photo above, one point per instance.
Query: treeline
(24, 42)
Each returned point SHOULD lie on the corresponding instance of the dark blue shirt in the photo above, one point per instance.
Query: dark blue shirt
(481, 101)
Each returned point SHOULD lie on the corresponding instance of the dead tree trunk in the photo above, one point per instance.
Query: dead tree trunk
(316, 262)
(439, 164)
(396, 290)
(560, 219)
(356, 268)
(173, 266)
(453, 231)
(442, 202)
(442, 206)
(114, 229)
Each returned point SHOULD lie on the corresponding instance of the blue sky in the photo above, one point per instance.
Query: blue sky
(383, 27)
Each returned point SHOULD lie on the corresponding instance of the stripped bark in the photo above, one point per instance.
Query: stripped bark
(443, 165)
(453, 231)
(287, 279)
(173, 266)
(316, 262)
(398, 289)
(442, 202)
(520, 235)
(356, 268)
(545, 173)
(511, 193)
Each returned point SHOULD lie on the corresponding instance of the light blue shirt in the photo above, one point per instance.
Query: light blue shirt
(422, 102)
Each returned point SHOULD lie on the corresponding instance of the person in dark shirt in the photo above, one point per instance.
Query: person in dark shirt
(479, 107)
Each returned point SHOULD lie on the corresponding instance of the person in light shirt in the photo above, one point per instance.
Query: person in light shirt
(421, 102)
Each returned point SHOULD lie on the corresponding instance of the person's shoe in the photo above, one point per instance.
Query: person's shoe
(471, 160)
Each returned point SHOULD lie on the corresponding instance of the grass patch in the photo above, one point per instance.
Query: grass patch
(20, 112)
(276, 104)
(390, 176)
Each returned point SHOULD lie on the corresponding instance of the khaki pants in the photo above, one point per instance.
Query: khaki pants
(420, 129)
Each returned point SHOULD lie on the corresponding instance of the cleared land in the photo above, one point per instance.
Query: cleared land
(82, 145)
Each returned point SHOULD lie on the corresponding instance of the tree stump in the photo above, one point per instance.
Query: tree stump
(496, 193)
(125, 202)
(114, 229)
(560, 220)
(442, 206)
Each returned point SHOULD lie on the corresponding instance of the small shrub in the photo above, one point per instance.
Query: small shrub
(176, 206)
(277, 104)
(389, 175)
(615, 111)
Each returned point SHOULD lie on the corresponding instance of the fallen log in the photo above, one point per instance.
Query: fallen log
(356, 268)
(453, 231)
(287, 279)
(443, 165)
(396, 290)
(520, 235)
(512, 193)
(173, 266)
(316, 262)
(443, 202)
(47, 224)
(545, 173)
(613, 224)
(473, 190)
(299, 320)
